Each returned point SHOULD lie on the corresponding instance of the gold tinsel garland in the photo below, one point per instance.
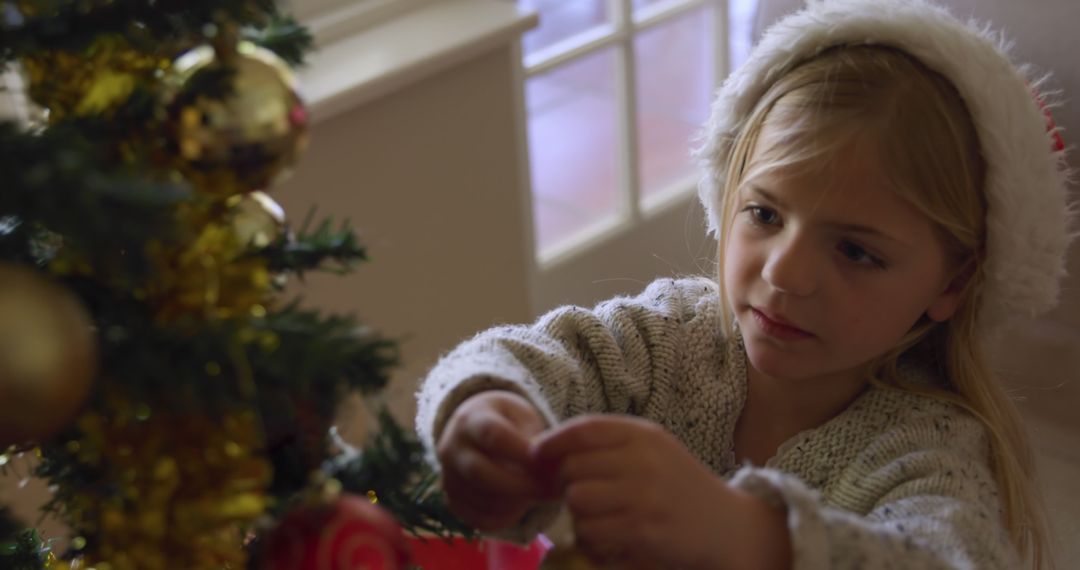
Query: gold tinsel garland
(71, 83)
(183, 488)
(187, 487)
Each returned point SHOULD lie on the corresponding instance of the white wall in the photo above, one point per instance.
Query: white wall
(430, 176)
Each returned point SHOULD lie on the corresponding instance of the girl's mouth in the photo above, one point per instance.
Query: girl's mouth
(778, 329)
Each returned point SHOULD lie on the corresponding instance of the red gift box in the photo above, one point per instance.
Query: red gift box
(433, 553)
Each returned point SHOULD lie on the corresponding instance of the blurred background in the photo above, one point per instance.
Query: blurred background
(502, 158)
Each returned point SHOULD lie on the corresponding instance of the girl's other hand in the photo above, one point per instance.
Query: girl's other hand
(637, 494)
(484, 453)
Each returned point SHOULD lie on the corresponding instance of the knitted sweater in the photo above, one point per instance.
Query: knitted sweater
(896, 480)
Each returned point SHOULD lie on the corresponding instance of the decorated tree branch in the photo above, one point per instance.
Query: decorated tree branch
(180, 404)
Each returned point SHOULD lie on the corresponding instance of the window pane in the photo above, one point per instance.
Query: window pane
(562, 19)
(573, 150)
(741, 15)
(675, 79)
(639, 4)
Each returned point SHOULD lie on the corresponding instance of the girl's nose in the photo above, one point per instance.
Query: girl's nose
(792, 268)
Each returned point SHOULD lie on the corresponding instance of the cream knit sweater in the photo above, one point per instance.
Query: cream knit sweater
(897, 480)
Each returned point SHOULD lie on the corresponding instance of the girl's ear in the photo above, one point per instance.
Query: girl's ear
(946, 303)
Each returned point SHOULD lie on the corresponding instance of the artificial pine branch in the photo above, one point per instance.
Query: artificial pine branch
(312, 249)
(318, 351)
(302, 364)
(59, 181)
(95, 186)
(148, 24)
(392, 466)
(20, 548)
(284, 36)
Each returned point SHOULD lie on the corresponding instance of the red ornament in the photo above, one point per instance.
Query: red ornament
(434, 553)
(347, 534)
(1058, 143)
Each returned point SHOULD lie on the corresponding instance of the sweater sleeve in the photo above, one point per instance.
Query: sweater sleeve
(622, 357)
(928, 506)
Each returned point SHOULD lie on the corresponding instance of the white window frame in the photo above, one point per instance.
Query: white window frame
(620, 33)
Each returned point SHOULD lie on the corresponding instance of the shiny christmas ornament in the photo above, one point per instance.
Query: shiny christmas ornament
(567, 558)
(212, 275)
(346, 533)
(565, 553)
(48, 356)
(237, 120)
(257, 220)
(573, 558)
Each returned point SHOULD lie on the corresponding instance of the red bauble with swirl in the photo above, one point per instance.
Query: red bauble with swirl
(349, 533)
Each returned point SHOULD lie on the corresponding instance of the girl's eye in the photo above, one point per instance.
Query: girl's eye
(857, 254)
(762, 215)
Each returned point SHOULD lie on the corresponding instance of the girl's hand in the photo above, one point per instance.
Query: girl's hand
(486, 466)
(637, 494)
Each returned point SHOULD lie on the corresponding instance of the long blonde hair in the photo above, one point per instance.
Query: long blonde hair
(926, 141)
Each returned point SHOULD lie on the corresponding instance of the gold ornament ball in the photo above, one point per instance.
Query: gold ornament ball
(257, 220)
(573, 558)
(248, 138)
(48, 356)
(567, 558)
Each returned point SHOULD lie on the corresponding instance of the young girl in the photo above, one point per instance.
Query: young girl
(887, 194)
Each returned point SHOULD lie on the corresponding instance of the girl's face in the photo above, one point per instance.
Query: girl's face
(825, 273)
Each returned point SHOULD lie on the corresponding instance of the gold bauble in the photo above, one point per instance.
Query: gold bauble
(257, 220)
(48, 356)
(570, 557)
(249, 137)
(567, 558)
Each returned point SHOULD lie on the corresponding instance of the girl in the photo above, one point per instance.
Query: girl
(886, 196)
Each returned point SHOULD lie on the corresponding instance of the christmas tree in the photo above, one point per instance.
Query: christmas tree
(181, 406)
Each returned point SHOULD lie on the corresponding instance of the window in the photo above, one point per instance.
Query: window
(615, 92)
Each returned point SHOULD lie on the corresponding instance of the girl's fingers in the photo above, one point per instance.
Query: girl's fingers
(605, 538)
(596, 498)
(477, 502)
(524, 416)
(481, 472)
(602, 464)
(496, 435)
(483, 513)
(583, 433)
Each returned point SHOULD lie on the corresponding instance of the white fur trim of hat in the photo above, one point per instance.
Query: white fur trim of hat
(1028, 219)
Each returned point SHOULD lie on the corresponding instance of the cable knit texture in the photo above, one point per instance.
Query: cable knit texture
(897, 480)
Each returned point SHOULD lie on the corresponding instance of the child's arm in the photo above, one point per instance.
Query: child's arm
(624, 357)
(922, 494)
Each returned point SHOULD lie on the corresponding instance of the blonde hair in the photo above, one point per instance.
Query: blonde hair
(925, 140)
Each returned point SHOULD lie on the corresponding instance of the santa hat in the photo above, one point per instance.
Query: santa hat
(1028, 217)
